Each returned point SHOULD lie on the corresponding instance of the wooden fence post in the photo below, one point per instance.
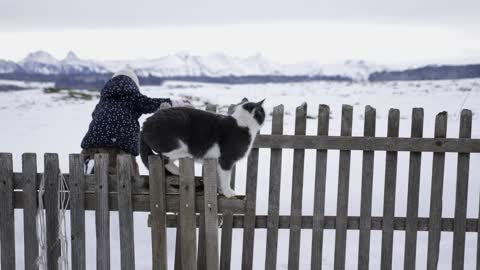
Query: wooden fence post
(158, 205)
(51, 175)
(463, 165)
(30, 195)
(318, 221)
(249, 217)
(7, 224)
(77, 211)
(102, 213)
(274, 193)
(187, 215)
(389, 194)
(434, 224)
(297, 190)
(366, 193)
(210, 214)
(413, 193)
(125, 212)
(343, 187)
(202, 257)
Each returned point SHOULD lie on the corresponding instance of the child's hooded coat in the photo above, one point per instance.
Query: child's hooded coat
(115, 118)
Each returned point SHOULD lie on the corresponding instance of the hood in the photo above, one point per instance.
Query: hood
(120, 86)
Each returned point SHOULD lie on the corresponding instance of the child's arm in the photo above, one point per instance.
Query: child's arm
(146, 104)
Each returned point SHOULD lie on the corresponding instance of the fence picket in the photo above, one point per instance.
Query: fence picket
(77, 211)
(51, 209)
(187, 215)
(343, 186)
(226, 242)
(178, 244)
(7, 225)
(158, 213)
(211, 214)
(461, 194)
(436, 195)
(413, 193)
(250, 203)
(29, 169)
(366, 192)
(274, 193)
(125, 212)
(102, 214)
(478, 239)
(319, 191)
(202, 257)
(297, 191)
(389, 194)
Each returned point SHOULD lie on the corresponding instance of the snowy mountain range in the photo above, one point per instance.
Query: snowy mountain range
(184, 64)
(74, 72)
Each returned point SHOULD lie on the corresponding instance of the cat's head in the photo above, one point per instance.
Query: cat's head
(250, 112)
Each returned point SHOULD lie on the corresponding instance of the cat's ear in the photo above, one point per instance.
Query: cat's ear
(244, 100)
(259, 104)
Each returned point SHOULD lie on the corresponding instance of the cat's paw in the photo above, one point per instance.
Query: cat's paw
(172, 168)
(228, 193)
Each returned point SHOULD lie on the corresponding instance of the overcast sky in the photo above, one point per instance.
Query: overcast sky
(375, 30)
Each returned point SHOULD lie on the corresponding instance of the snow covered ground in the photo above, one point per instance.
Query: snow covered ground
(37, 122)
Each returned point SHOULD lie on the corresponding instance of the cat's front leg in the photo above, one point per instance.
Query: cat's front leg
(224, 178)
(172, 167)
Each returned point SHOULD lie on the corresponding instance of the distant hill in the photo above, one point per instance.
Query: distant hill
(74, 72)
(428, 73)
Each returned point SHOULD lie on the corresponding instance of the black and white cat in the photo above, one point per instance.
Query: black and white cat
(180, 132)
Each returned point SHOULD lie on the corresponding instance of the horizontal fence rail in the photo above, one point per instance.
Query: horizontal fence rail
(188, 202)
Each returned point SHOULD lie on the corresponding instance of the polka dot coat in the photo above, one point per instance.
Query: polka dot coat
(115, 118)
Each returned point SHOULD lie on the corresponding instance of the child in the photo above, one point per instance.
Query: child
(114, 128)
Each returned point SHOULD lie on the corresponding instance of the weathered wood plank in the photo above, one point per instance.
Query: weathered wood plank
(201, 251)
(141, 202)
(102, 214)
(478, 238)
(389, 194)
(140, 186)
(50, 201)
(77, 212)
(226, 241)
(461, 194)
(297, 190)
(250, 203)
(319, 191)
(202, 257)
(7, 225)
(413, 193)
(343, 189)
(366, 192)
(368, 144)
(178, 243)
(353, 223)
(438, 168)
(158, 207)
(30, 243)
(187, 215)
(125, 212)
(210, 216)
(274, 193)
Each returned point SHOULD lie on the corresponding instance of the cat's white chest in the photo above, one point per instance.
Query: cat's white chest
(213, 152)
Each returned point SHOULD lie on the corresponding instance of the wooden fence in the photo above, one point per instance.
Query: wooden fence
(189, 209)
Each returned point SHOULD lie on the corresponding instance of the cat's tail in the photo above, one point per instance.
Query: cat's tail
(145, 151)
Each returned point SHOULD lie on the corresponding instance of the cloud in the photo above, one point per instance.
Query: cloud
(282, 42)
(59, 14)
